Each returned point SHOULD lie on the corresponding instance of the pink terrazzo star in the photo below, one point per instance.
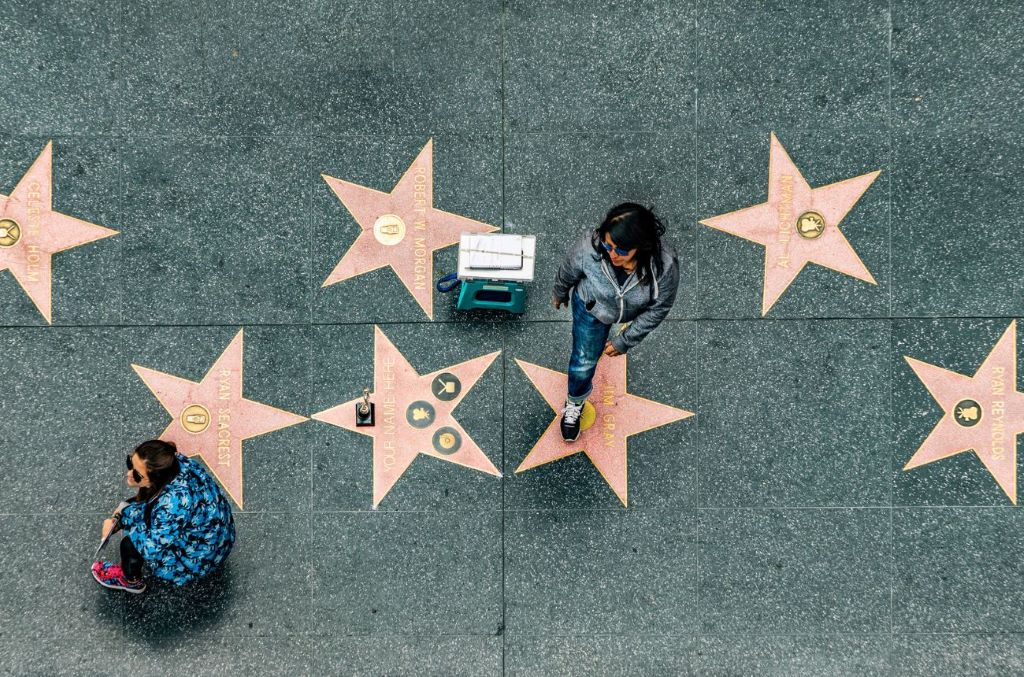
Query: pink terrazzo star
(31, 232)
(410, 418)
(983, 413)
(212, 418)
(798, 225)
(619, 415)
(401, 229)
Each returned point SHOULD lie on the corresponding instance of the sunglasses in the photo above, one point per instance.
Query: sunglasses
(135, 473)
(618, 250)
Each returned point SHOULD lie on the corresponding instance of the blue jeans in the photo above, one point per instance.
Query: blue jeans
(588, 338)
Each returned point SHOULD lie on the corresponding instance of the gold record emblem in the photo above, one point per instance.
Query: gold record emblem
(10, 233)
(810, 225)
(389, 229)
(195, 419)
(967, 413)
(446, 440)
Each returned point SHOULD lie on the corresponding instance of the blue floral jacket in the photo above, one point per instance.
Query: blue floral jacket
(190, 531)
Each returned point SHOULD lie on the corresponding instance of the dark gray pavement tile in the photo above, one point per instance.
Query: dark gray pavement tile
(794, 413)
(342, 365)
(199, 655)
(401, 68)
(732, 174)
(558, 187)
(957, 67)
(263, 589)
(220, 231)
(605, 655)
(600, 572)
(957, 226)
(946, 654)
(263, 65)
(598, 66)
(957, 569)
(86, 280)
(662, 461)
(165, 87)
(956, 345)
(411, 572)
(439, 655)
(804, 655)
(275, 372)
(467, 181)
(61, 64)
(794, 571)
(61, 402)
(48, 591)
(773, 66)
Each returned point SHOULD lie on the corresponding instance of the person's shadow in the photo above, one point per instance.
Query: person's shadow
(165, 612)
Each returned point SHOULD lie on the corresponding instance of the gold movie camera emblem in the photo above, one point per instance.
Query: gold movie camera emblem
(195, 419)
(810, 225)
(967, 413)
(389, 229)
(10, 233)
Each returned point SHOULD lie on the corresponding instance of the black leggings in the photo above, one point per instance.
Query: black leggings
(131, 560)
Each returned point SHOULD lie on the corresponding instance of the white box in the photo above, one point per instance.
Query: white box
(497, 256)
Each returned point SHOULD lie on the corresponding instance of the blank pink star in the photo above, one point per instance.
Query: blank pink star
(231, 417)
(619, 415)
(40, 231)
(773, 225)
(993, 437)
(426, 229)
(396, 388)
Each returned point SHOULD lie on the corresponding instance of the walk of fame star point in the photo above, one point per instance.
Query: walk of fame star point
(400, 229)
(414, 415)
(31, 232)
(620, 415)
(211, 418)
(798, 225)
(983, 413)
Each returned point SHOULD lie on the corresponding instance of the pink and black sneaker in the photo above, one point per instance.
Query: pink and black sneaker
(110, 576)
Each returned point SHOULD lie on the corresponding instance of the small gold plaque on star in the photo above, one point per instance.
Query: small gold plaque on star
(195, 419)
(10, 232)
(810, 225)
(967, 413)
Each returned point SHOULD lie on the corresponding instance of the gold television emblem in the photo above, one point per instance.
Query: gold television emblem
(810, 225)
(10, 232)
(389, 229)
(195, 419)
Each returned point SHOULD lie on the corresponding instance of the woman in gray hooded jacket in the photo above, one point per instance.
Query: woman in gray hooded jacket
(623, 272)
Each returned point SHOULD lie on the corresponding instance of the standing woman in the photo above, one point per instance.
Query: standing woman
(622, 272)
(179, 523)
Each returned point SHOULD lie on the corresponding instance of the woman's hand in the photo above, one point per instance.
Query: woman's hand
(558, 303)
(610, 350)
(108, 525)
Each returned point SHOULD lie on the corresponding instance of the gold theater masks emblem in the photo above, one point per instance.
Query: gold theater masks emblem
(195, 419)
(389, 229)
(810, 225)
(967, 413)
(10, 233)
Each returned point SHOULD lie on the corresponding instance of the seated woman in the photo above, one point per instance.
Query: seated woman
(179, 523)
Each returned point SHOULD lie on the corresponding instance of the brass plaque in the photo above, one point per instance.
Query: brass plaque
(967, 413)
(810, 225)
(420, 414)
(195, 419)
(389, 229)
(447, 440)
(588, 416)
(10, 232)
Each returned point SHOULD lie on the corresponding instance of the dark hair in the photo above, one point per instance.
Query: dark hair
(633, 226)
(161, 466)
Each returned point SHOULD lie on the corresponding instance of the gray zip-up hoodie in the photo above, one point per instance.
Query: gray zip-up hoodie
(644, 306)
